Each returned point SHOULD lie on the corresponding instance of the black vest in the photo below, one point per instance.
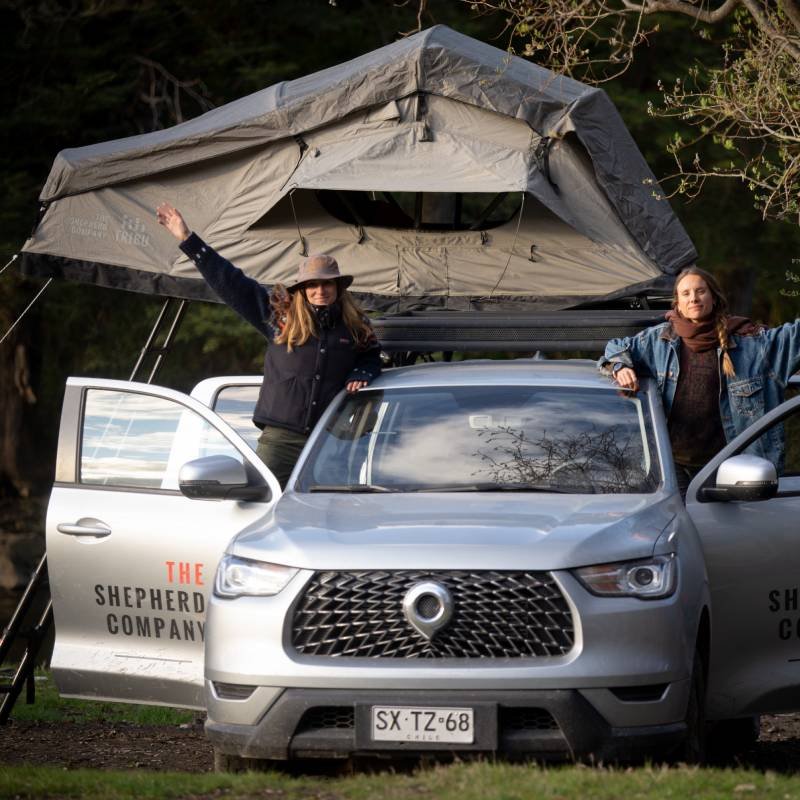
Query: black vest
(298, 386)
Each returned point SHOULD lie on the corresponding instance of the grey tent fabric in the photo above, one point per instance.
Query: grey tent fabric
(436, 113)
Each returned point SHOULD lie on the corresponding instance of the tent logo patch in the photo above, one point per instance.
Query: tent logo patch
(96, 228)
(132, 231)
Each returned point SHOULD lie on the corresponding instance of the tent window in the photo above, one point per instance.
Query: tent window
(437, 211)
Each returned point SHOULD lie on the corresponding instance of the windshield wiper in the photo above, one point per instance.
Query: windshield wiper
(492, 487)
(351, 488)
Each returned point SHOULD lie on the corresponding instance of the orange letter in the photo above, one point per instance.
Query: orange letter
(170, 571)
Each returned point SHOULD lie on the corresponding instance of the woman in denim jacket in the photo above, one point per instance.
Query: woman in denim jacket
(717, 373)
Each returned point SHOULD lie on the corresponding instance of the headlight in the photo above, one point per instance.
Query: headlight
(244, 576)
(649, 579)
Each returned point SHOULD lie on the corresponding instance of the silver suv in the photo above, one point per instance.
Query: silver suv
(469, 557)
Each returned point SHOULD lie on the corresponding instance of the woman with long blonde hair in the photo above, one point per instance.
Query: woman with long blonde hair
(319, 341)
(716, 373)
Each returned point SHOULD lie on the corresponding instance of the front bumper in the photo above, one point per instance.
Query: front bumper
(559, 724)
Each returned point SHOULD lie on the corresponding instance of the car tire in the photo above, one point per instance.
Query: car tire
(729, 738)
(693, 749)
(225, 762)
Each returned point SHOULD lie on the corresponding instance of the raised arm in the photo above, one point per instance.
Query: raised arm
(783, 349)
(247, 297)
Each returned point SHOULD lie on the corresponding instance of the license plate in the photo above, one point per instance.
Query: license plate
(421, 724)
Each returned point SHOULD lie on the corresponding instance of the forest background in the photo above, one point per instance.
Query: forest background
(77, 72)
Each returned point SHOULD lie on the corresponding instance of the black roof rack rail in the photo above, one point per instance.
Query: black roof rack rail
(485, 331)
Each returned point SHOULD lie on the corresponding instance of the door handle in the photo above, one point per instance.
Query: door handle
(84, 527)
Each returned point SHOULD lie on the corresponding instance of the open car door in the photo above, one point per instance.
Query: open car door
(752, 552)
(131, 558)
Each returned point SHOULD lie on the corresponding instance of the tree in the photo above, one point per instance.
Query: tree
(744, 98)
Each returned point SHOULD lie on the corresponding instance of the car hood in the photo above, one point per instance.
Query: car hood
(456, 530)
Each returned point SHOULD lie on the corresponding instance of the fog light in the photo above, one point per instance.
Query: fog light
(233, 691)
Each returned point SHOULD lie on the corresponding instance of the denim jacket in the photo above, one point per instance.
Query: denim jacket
(764, 362)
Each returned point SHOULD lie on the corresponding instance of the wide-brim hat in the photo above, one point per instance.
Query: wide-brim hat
(320, 267)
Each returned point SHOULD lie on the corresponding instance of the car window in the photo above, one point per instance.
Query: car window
(235, 405)
(486, 438)
(141, 441)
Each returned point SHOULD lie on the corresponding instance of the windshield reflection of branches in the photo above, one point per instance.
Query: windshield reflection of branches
(606, 460)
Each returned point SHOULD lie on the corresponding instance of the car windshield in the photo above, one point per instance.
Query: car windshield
(485, 438)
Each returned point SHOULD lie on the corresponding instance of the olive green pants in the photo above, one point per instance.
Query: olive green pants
(279, 449)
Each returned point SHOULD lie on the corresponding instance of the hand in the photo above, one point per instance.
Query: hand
(354, 386)
(171, 219)
(626, 379)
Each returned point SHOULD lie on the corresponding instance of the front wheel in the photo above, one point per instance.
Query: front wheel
(693, 749)
(729, 738)
(224, 762)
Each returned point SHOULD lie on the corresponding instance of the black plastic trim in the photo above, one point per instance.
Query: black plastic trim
(582, 734)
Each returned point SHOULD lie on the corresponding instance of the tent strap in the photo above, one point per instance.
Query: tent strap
(16, 321)
(303, 247)
(13, 259)
(513, 245)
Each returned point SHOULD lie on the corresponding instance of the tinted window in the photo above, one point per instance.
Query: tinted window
(235, 405)
(141, 441)
(486, 438)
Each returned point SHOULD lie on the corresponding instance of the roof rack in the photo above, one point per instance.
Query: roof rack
(486, 331)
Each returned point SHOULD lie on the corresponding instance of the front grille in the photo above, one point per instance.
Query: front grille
(495, 615)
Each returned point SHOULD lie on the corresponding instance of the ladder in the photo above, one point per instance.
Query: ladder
(37, 591)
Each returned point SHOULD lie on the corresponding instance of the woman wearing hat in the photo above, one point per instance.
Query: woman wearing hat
(319, 341)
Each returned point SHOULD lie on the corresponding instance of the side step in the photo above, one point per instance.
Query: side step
(482, 331)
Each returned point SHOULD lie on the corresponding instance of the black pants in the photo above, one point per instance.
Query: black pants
(279, 449)
(685, 474)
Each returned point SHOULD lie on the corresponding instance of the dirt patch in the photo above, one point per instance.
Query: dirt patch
(185, 749)
(106, 746)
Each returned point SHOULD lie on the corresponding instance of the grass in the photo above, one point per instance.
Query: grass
(51, 707)
(470, 781)
(459, 781)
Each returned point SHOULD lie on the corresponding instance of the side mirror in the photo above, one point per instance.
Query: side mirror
(220, 478)
(743, 477)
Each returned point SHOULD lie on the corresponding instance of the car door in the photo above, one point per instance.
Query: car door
(131, 560)
(752, 551)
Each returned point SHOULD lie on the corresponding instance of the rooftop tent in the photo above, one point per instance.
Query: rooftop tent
(440, 171)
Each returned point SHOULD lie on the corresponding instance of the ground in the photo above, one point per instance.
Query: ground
(184, 748)
(118, 745)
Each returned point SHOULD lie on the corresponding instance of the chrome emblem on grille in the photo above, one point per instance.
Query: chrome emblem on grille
(428, 607)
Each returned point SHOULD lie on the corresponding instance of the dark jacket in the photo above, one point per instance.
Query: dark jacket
(298, 386)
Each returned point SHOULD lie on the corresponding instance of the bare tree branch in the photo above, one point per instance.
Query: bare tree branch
(745, 105)
(163, 95)
(697, 12)
(792, 11)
